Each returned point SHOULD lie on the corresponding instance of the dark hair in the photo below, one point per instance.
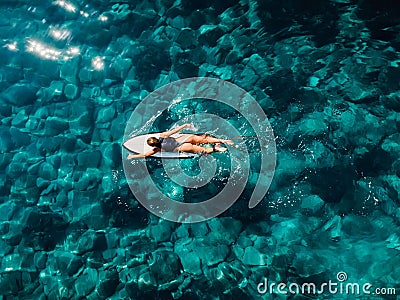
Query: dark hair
(154, 142)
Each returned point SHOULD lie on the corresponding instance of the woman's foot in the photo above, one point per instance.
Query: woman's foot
(228, 142)
(217, 147)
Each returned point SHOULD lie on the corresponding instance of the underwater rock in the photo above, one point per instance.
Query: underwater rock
(19, 120)
(12, 74)
(11, 262)
(53, 285)
(50, 225)
(56, 88)
(66, 165)
(391, 101)
(253, 257)
(224, 73)
(51, 93)
(181, 232)
(394, 181)
(20, 137)
(233, 57)
(6, 143)
(85, 75)
(132, 289)
(343, 115)
(227, 277)
(313, 125)
(111, 155)
(160, 232)
(108, 285)
(176, 22)
(90, 241)
(120, 11)
(259, 65)
(5, 248)
(120, 68)
(391, 144)
(117, 126)
(69, 70)
(79, 204)
(40, 259)
(20, 94)
(286, 232)
(7, 211)
(89, 180)
(186, 69)
(242, 242)
(146, 282)
(89, 159)
(11, 282)
(164, 266)
(138, 245)
(106, 114)
(187, 38)
(5, 110)
(81, 126)
(198, 229)
(18, 165)
(71, 91)
(4, 185)
(190, 262)
(247, 78)
(197, 55)
(312, 205)
(307, 265)
(209, 35)
(65, 262)
(47, 171)
(226, 230)
(96, 218)
(356, 92)
(86, 282)
(55, 126)
(32, 124)
(209, 252)
(290, 164)
(334, 226)
(368, 195)
(319, 156)
(14, 235)
(130, 274)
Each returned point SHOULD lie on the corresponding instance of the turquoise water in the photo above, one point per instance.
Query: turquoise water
(326, 75)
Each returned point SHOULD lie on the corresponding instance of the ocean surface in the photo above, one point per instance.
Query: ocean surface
(325, 73)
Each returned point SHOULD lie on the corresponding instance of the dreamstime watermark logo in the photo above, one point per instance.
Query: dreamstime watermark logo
(163, 100)
(331, 287)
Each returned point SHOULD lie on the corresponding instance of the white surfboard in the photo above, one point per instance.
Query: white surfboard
(138, 144)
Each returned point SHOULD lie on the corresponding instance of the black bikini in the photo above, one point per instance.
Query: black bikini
(169, 144)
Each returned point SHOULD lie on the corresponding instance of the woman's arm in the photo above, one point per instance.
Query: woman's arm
(173, 131)
(147, 154)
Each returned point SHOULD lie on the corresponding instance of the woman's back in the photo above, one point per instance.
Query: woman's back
(168, 144)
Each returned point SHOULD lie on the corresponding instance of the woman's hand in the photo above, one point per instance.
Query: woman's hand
(189, 126)
(147, 154)
(173, 131)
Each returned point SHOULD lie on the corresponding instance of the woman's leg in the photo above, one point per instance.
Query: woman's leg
(206, 139)
(188, 147)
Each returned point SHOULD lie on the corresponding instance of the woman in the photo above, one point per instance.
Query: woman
(189, 144)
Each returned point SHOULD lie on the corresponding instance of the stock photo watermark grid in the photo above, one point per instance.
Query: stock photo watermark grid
(340, 286)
